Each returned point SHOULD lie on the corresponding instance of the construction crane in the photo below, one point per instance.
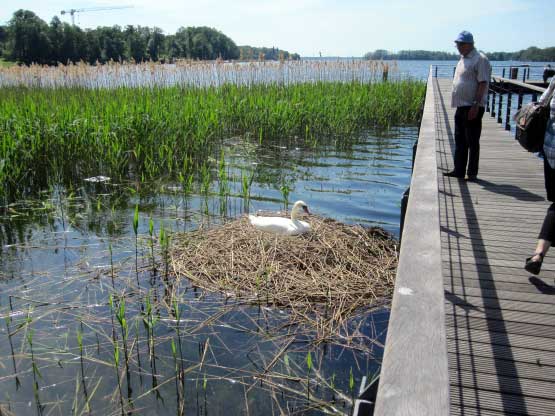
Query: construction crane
(90, 9)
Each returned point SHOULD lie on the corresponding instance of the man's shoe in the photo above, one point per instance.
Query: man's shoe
(453, 174)
(471, 178)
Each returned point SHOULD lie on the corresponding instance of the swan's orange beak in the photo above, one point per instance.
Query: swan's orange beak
(305, 209)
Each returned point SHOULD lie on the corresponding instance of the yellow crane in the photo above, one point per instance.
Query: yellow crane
(72, 12)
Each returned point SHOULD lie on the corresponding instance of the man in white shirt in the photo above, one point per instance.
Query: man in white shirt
(469, 96)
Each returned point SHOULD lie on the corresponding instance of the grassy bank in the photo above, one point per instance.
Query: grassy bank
(6, 64)
(49, 134)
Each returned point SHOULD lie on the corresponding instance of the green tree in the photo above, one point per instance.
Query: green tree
(155, 44)
(3, 39)
(136, 42)
(112, 43)
(28, 38)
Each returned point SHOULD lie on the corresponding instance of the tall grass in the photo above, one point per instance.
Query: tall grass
(143, 133)
(196, 74)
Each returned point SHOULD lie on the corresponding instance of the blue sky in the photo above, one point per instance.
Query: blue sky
(332, 27)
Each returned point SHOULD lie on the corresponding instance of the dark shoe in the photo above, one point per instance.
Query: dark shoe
(471, 178)
(534, 267)
(453, 174)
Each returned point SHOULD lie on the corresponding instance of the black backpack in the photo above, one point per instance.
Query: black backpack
(531, 122)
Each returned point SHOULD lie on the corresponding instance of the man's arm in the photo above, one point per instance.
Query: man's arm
(477, 100)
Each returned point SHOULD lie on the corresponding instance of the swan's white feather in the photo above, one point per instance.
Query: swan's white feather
(279, 225)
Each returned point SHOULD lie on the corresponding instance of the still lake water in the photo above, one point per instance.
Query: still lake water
(56, 260)
(60, 251)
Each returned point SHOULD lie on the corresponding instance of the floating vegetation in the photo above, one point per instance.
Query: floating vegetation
(64, 134)
(323, 277)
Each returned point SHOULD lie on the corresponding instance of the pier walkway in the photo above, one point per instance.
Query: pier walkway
(471, 332)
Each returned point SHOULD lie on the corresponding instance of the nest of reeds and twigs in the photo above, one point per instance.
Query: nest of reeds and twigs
(333, 271)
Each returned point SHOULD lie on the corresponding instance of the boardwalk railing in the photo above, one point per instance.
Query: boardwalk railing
(507, 82)
(414, 376)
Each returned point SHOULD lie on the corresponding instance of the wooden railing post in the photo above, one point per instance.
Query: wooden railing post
(499, 107)
(508, 112)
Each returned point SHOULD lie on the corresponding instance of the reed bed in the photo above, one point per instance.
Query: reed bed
(196, 74)
(61, 135)
(323, 277)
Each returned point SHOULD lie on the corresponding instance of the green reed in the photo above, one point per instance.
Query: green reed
(120, 316)
(82, 365)
(309, 367)
(8, 321)
(149, 322)
(136, 232)
(151, 244)
(36, 372)
(116, 351)
(144, 133)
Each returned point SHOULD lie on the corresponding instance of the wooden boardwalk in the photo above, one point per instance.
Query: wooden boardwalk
(470, 331)
(500, 320)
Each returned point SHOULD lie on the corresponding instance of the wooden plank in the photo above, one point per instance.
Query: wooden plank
(519, 84)
(510, 385)
(499, 315)
(500, 295)
(479, 302)
(515, 268)
(415, 380)
(536, 343)
(509, 404)
(465, 251)
(491, 285)
(506, 368)
(538, 358)
(503, 327)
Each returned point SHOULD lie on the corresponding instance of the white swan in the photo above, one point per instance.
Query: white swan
(285, 226)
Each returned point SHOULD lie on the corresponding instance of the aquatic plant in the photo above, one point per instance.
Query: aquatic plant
(35, 369)
(60, 135)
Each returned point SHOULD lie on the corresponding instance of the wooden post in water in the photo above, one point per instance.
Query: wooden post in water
(508, 112)
(385, 73)
(492, 103)
(520, 97)
(499, 108)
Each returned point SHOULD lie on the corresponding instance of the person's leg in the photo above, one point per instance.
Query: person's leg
(473, 132)
(461, 143)
(547, 232)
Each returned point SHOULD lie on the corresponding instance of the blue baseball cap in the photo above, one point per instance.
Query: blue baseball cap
(465, 37)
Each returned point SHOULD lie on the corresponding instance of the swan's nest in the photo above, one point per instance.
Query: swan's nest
(342, 267)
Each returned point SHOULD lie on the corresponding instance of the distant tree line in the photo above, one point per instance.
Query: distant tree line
(531, 54)
(27, 39)
(253, 53)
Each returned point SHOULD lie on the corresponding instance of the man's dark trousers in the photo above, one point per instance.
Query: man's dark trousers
(467, 141)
